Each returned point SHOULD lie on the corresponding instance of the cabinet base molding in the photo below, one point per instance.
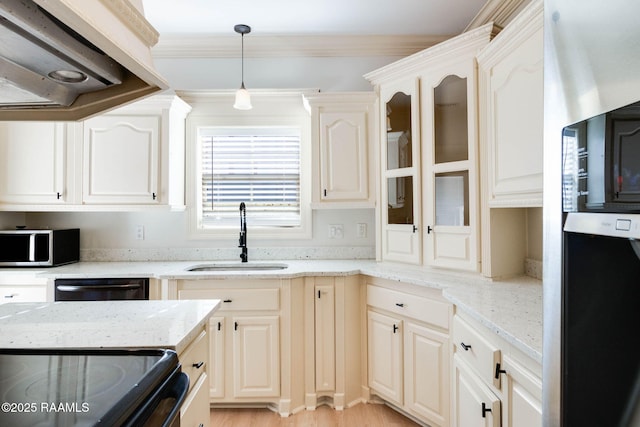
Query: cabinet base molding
(336, 401)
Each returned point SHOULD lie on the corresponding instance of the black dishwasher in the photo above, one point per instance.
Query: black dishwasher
(101, 289)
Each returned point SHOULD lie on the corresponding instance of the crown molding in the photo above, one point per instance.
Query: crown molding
(500, 12)
(212, 46)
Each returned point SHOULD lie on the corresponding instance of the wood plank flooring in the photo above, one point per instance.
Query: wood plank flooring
(361, 415)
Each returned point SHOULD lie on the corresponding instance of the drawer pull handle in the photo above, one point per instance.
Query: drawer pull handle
(227, 300)
(9, 296)
(485, 410)
(399, 304)
(499, 371)
(395, 328)
(466, 347)
(198, 365)
(219, 325)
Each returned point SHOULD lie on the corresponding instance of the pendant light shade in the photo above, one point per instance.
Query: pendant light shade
(243, 99)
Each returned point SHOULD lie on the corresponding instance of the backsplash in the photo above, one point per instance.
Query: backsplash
(209, 254)
(533, 268)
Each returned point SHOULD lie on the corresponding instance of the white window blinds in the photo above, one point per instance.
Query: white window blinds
(259, 166)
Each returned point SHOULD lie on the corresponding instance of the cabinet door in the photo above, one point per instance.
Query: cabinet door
(474, 403)
(195, 410)
(400, 181)
(33, 160)
(426, 372)
(121, 160)
(216, 367)
(385, 356)
(343, 156)
(523, 396)
(325, 338)
(451, 205)
(256, 356)
(511, 70)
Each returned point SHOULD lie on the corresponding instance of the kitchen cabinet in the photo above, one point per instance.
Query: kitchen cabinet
(510, 91)
(489, 373)
(400, 179)
(429, 159)
(251, 355)
(511, 80)
(333, 336)
(38, 164)
(194, 360)
(130, 158)
(343, 128)
(135, 154)
(23, 288)
(408, 349)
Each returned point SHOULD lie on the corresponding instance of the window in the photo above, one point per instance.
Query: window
(259, 166)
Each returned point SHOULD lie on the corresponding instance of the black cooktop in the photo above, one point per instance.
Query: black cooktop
(79, 387)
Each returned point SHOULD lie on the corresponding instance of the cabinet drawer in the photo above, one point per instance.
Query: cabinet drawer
(237, 299)
(416, 307)
(474, 349)
(194, 358)
(22, 294)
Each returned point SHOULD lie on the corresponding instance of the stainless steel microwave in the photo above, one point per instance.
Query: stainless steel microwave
(39, 248)
(601, 163)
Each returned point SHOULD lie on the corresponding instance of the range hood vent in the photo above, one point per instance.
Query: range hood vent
(71, 59)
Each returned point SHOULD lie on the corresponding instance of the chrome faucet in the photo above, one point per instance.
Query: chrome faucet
(243, 232)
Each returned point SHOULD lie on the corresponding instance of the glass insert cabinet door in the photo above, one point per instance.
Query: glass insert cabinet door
(400, 158)
(449, 157)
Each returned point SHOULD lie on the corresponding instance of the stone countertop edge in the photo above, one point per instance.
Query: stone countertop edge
(511, 308)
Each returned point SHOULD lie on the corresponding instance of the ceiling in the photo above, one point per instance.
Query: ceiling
(319, 17)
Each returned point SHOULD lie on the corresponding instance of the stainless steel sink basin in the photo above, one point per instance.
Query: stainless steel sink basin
(231, 266)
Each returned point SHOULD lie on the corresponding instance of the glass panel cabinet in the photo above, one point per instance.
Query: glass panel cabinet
(400, 157)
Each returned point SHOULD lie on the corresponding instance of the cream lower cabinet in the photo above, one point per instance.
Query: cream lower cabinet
(494, 383)
(408, 349)
(333, 339)
(251, 356)
(194, 360)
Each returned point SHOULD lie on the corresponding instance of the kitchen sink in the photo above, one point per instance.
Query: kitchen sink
(231, 266)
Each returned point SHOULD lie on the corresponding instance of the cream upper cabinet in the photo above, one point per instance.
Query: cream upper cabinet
(429, 162)
(400, 178)
(37, 164)
(130, 158)
(450, 158)
(343, 127)
(511, 80)
(121, 160)
(135, 154)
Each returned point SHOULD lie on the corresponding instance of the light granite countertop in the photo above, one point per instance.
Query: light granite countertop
(104, 324)
(511, 308)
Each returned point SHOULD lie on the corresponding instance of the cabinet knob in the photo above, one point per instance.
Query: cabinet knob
(198, 365)
(58, 196)
(499, 371)
(395, 328)
(399, 304)
(485, 410)
(227, 300)
(415, 228)
(429, 229)
(154, 196)
(466, 347)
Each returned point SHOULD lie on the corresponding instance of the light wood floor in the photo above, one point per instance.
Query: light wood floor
(361, 415)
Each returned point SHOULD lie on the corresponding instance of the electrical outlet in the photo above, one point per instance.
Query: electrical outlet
(361, 230)
(140, 232)
(336, 231)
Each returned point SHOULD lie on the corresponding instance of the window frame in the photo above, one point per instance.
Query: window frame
(279, 111)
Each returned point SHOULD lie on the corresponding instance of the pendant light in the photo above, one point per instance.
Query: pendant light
(243, 99)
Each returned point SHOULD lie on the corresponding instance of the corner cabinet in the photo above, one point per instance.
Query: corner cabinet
(131, 158)
(342, 132)
(429, 158)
